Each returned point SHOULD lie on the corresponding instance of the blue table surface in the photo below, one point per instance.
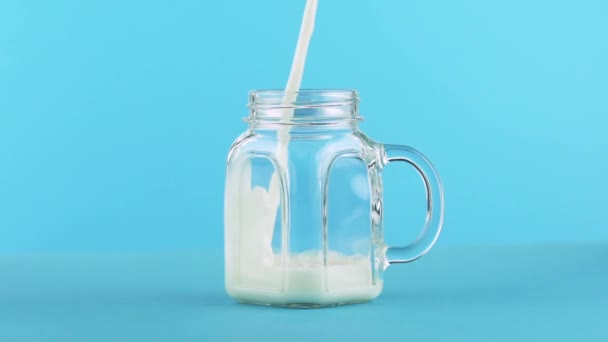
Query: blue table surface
(496, 293)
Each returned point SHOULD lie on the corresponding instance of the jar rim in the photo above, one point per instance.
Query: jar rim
(301, 99)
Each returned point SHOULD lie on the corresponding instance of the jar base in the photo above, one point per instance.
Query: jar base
(305, 299)
(303, 305)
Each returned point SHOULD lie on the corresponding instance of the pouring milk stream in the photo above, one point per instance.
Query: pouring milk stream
(293, 85)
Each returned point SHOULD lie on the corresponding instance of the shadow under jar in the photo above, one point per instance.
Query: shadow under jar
(303, 203)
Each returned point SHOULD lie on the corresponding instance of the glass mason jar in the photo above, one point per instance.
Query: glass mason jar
(303, 203)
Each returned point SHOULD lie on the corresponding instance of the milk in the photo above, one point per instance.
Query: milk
(257, 275)
(253, 272)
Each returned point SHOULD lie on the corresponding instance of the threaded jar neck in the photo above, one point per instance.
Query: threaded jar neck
(307, 107)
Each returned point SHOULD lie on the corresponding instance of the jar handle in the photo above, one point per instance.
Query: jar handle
(434, 197)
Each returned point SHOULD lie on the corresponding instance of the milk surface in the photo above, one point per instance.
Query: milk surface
(303, 279)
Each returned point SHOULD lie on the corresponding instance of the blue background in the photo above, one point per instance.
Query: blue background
(116, 118)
